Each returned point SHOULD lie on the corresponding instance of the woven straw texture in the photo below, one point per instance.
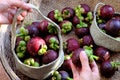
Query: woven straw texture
(45, 7)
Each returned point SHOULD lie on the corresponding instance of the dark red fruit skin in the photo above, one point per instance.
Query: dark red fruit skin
(75, 20)
(50, 56)
(102, 53)
(80, 32)
(36, 23)
(107, 70)
(43, 26)
(87, 40)
(72, 44)
(51, 16)
(34, 44)
(66, 65)
(75, 57)
(113, 27)
(64, 75)
(106, 12)
(70, 14)
(86, 8)
(33, 30)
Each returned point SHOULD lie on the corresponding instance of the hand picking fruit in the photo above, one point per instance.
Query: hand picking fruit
(81, 18)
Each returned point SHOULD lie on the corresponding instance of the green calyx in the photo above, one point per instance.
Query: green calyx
(52, 29)
(99, 21)
(68, 78)
(42, 50)
(22, 43)
(20, 55)
(66, 14)
(27, 38)
(56, 76)
(36, 64)
(58, 15)
(81, 25)
(66, 27)
(31, 62)
(79, 11)
(23, 33)
(28, 23)
(89, 52)
(20, 52)
(54, 43)
(89, 17)
(21, 49)
(115, 64)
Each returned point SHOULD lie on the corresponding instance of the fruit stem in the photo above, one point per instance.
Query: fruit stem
(95, 57)
(43, 50)
(81, 25)
(67, 57)
(68, 78)
(19, 34)
(115, 64)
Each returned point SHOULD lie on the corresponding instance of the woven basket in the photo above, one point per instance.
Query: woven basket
(101, 38)
(44, 71)
(45, 6)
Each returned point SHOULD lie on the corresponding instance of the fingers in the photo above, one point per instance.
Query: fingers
(21, 16)
(73, 67)
(94, 67)
(21, 4)
(84, 61)
(75, 71)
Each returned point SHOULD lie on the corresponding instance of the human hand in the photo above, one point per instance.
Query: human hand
(87, 72)
(8, 8)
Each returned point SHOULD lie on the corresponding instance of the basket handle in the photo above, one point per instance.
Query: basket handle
(95, 9)
(14, 24)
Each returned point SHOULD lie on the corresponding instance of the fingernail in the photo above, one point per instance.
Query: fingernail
(83, 53)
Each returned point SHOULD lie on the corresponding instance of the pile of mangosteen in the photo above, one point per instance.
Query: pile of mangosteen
(37, 44)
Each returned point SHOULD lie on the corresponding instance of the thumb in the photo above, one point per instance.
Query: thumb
(84, 61)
